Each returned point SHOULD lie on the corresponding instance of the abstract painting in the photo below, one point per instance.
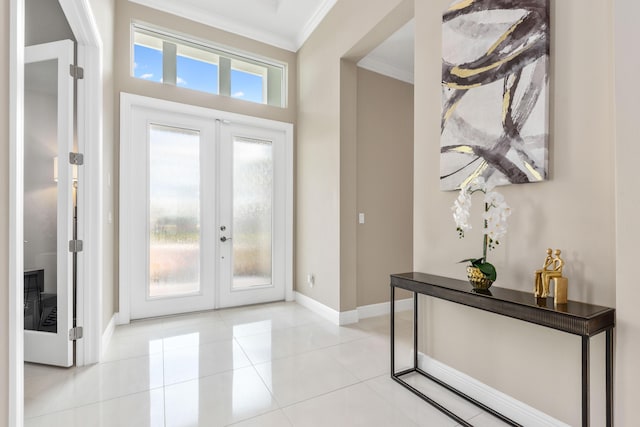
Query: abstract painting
(495, 115)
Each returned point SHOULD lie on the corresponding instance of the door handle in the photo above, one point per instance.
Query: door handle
(224, 238)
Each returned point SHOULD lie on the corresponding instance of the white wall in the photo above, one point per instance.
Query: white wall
(5, 351)
(104, 13)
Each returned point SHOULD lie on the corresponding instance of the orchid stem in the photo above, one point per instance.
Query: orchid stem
(485, 237)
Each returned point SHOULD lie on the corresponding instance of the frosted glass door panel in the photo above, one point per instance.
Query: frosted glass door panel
(174, 212)
(167, 213)
(251, 227)
(252, 213)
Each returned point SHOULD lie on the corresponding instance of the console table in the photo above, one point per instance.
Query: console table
(576, 318)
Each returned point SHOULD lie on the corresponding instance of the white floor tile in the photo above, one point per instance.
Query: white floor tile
(365, 358)
(304, 376)
(272, 419)
(487, 420)
(282, 343)
(355, 406)
(137, 410)
(123, 346)
(218, 400)
(196, 334)
(265, 365)
(452, 402)
(411, 405)
(120, 378)
(189, 363)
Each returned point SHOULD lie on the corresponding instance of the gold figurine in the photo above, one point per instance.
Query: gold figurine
(551, 270)
(557, 264)
(560, 285)
(538, 274)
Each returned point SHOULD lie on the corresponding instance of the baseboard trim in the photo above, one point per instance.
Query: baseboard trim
(348, 317)
(108, 334)
(328, 313)
(383, 308)
(506, 405)
(342, 318)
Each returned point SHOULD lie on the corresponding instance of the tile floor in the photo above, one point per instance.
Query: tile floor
(267, 365)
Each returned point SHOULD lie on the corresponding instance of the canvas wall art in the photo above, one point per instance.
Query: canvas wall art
(495, 79)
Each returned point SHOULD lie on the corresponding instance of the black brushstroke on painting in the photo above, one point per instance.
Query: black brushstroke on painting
(526, 43)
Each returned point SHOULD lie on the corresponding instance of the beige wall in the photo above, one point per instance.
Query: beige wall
(4, 212)
(573, 211)
(627, 63)
(326, 216)
(384, 183)
(128, 11)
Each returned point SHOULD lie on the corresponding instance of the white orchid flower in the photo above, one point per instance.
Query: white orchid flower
(494, 217)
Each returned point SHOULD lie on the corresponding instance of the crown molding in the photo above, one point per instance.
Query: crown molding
(314, 21)
(212, 20)
(223, 23)
(386, 69)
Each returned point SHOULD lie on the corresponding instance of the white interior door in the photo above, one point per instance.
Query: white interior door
(172, 185)
(48, 204)
(252, 205)
(205, 209)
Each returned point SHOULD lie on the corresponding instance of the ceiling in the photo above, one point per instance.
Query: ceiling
(287, 24)
(394, 57)
(282, 23)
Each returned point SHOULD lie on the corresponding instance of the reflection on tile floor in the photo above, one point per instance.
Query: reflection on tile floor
(267, 365)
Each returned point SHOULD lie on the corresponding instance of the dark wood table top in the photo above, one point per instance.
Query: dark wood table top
(574, 317)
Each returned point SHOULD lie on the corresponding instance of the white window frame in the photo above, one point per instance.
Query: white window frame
(241, 61)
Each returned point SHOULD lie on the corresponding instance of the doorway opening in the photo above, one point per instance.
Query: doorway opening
(206, 209)
(90, 196)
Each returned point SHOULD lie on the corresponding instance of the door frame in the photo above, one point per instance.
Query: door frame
(90, 137)
(127, 103)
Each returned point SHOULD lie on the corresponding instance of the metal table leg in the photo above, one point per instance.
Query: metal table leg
(585, 382)
(392, 332)
(415, 330)
(609, 374)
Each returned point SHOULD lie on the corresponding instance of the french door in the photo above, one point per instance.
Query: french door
(49, 194)
(202, 212)
(171, 211)
(252, 215)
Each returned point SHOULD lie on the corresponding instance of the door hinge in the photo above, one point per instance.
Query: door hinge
(75, 333)
(76, 72)
(76, 159)
(75, 246)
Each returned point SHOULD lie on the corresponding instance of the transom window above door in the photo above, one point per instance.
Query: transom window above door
(162, 57)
